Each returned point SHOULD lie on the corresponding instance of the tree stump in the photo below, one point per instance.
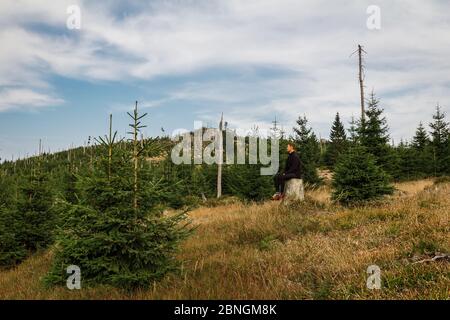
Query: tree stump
(293, 191)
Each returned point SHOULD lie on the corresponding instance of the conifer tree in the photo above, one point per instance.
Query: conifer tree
(358, 178)
(308, 150)
(353, 132)
(338, 142)
(373, 134)
(420, 139)
(34, 207)
(69, 190)
(7, 189)
(246, 181)
(422, 153)
(408, 162)
(114, 233)
(26, 219)
(11, 250)
(373, 129)
(440, 135)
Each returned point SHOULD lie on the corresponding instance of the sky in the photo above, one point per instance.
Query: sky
(189, 60)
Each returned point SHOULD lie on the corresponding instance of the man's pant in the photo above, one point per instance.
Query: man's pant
(280, 180)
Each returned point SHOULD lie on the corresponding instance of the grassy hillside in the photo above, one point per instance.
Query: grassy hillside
(316, 250)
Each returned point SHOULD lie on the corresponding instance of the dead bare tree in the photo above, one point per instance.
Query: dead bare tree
(361, 76)
(220, 160)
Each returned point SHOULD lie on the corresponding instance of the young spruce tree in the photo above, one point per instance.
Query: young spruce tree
(246, 182)
(373, 130)
(27, 220)
(11, 250)
(338, 142)
(353, 135)
(420, 139)
(439, 141)
(34, 208)
(358, 178)
(308, 150)
(373, 134)
(114, 234)
(422, 153)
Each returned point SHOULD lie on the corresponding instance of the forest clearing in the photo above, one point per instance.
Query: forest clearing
(315, 250)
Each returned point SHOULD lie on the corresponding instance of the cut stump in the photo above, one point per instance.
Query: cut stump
(293, 191)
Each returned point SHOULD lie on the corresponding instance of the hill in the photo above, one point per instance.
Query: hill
(316, 250)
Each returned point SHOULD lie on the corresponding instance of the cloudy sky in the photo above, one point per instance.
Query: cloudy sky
(187, 60)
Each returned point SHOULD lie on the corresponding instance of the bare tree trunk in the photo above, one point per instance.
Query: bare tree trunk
(110, 147)
(219, 165)
(361, 79)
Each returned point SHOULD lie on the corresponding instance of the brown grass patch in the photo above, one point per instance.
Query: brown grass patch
(313, 250)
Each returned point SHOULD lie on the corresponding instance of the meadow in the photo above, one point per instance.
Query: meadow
(311, 250)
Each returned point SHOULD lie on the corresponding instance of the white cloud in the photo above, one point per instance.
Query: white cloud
(407, 61)
(26, 99)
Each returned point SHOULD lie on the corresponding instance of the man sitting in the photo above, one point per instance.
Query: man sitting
(292, 170)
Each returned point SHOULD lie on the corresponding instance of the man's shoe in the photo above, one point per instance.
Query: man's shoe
(276, 196)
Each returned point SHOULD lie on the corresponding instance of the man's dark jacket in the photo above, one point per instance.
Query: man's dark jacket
(293, 166)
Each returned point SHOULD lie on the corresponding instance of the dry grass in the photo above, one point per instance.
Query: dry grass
(315, 250)
(414, 187)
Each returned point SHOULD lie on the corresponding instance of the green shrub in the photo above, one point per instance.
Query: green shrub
(26, 221)
(11, 250)
(357, 178)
